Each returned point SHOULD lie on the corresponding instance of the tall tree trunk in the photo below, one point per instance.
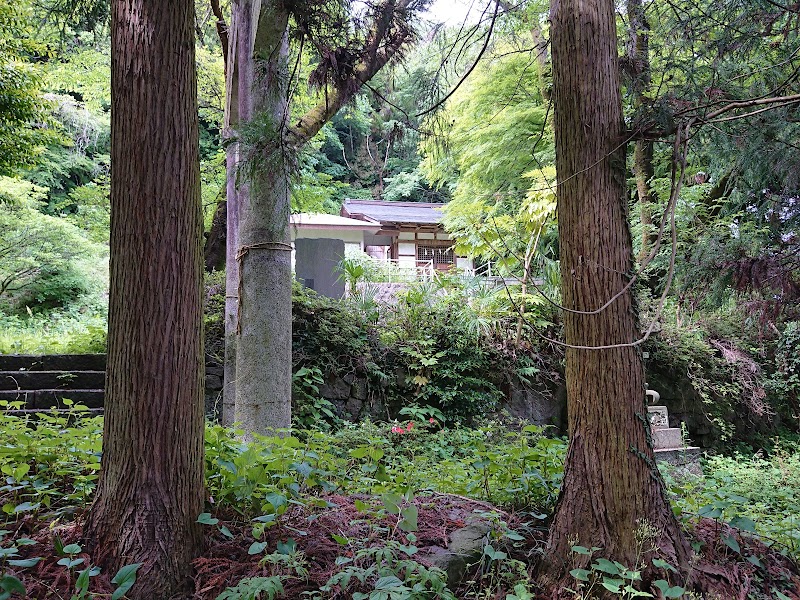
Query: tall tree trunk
(611, 483)
(258, 347)
(643, 172)
(236, 101)
(151, 483)
(638, 62)
(264, 326)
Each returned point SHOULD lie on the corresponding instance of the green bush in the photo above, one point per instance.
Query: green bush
(45, 261)
(57, 332)
(756, 493)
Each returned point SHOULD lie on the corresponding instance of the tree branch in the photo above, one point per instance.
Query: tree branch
(376, 58)
(222, 30)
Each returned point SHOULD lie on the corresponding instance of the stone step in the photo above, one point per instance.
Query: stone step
(667, 438)
(44, 399)
(53, 362)
(52, 380)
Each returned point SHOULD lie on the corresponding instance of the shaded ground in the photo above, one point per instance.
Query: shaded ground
(319, 541)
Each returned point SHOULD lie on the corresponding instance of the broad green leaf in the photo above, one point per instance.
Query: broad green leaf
(606, 566)
(662, 564)
(388, 583)
(612, 585)
(24, 563)
(580, 574)
(667, 591)
(256, 548)
(731, 543)
(743, 523)
(11, 584)
(207, 519)
(124, 580)
(409, 514)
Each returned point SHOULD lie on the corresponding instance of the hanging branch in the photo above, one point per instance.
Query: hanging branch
(389, 35)
(222, 31)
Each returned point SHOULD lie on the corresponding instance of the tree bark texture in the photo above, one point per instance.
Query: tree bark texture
(264, 319)
(151, 483)
(611, 484)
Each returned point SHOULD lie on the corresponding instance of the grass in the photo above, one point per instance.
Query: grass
(57, 333)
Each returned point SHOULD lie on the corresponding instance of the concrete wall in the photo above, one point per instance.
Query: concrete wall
(315, 265)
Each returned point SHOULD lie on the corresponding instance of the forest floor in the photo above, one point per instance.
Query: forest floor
(358, 539)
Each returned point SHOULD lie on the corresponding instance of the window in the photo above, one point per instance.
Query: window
(440, 255)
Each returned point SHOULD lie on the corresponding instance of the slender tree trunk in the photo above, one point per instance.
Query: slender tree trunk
(638, 55)
(231, 286)
(151, 483)
(643, 172)
(216, 242)
(611, 483)
(237, 101)
(264, 327)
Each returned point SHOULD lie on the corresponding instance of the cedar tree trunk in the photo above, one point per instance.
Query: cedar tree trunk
(236, 102)
(151, 483)
(264, 320)
(611, 483)
(258, 337)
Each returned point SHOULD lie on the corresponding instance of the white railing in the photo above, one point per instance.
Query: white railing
(485, 270)
(393, 270)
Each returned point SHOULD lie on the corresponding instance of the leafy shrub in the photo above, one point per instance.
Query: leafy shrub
(58, 332)
(442, 345)
(46, 261)
(49, 463)
(521, 469)
(757, 493)
(784, 383)
(214, 315)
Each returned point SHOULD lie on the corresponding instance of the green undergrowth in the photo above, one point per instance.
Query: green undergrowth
(50, 465)
(757, 494)
(58, 332)
(515, 469)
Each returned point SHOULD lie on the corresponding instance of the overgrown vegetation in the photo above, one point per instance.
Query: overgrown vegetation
(448, 344)
(276, 498)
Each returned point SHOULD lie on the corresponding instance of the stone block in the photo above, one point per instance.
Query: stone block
(659, 417)
(464, 547)
(667, 438)
(353, 407)
(335, 388)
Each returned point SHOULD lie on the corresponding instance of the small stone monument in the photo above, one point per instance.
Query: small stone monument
(668, 442)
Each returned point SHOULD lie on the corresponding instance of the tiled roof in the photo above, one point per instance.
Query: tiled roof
(393, 212)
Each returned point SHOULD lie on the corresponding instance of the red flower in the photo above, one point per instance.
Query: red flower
(410, 425)
(431, 420)
(398, 429)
